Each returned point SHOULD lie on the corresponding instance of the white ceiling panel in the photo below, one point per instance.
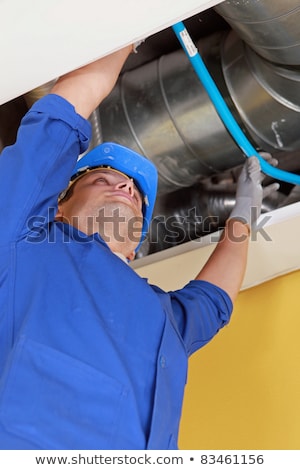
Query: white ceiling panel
(41, 40)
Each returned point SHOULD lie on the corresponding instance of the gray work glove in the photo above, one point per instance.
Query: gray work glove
(249, 193)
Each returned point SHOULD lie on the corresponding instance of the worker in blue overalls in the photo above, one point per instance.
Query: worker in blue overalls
(91, 355)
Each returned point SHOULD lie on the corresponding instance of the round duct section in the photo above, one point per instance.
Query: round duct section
(162, 110)
(267, 96)
(270, 27)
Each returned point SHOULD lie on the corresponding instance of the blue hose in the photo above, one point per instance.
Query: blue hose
(222, 108)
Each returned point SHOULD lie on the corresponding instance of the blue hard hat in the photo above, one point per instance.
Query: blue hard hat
(132, 164)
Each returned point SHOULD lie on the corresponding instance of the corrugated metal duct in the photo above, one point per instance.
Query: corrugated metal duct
(161, 109)
(269, 27)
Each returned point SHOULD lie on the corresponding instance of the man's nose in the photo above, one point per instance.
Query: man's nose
(127, 186)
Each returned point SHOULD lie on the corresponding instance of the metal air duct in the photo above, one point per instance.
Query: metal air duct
(266, 95)
(269, 27)
(162, 110)
(259, 64)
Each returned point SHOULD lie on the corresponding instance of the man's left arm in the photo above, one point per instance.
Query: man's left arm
(227, 265)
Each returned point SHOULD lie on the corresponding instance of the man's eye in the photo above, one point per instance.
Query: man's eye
(101, 180)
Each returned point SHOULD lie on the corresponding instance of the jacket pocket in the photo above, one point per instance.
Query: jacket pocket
(58, 402)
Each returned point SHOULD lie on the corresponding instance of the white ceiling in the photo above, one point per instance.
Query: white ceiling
(42, 40)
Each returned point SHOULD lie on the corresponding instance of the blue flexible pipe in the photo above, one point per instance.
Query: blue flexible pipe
(222, 108)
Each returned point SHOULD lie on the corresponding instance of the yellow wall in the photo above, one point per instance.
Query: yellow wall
(244, 387)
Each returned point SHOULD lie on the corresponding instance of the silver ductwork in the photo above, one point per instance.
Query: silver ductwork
(266, 96)
(259, 64)
(162, 110)
(269, 27)
(190, 213)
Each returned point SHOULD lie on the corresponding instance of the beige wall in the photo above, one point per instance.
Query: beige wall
(244, 387)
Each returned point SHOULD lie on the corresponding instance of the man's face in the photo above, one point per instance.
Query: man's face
(105, 195)
(109, 185)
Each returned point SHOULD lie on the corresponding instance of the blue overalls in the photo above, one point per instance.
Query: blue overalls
(91, 355)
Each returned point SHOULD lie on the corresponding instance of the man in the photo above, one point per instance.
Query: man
(123, 185)
(91, 356)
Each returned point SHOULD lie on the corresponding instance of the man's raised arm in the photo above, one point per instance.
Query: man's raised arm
(227, 264)
(85, 88)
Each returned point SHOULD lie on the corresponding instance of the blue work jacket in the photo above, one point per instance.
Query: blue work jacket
(91, 355)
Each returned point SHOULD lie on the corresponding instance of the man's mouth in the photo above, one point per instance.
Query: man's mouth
(125, 196)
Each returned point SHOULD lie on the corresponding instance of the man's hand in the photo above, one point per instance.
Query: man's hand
(85, 88)
(249, 193)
